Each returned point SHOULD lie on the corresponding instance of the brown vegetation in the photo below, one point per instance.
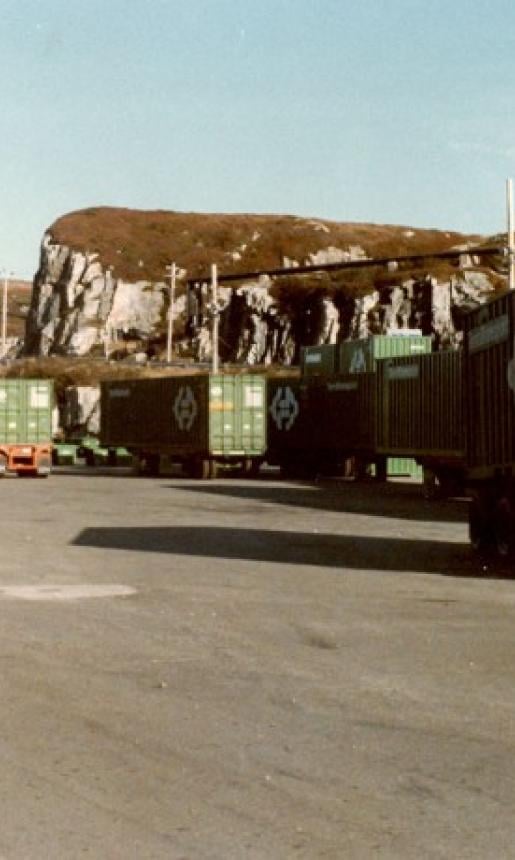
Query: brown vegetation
(18, 301)
(140, 245)
(67, 371)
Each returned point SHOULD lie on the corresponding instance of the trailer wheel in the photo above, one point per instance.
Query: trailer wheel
(44, 466)
(361, 469)
(201, 468)
(296, 471)
(480, 523)
(89, 457)
(148, 465)
(250, 467)
(504, 528)
(381, 465)
(429, 484)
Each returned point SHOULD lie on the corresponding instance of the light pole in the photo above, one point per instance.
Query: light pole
(215, 317)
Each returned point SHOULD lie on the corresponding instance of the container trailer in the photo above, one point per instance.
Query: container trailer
(489, 354)
(334, 429)
(199, 421)
(420, 415)
(365, 354)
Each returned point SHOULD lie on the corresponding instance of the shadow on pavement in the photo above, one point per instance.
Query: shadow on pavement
(398, 500)
(299, 548)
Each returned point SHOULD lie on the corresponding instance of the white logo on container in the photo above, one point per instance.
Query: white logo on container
(185, 408)
(358, 362)
(284, 408)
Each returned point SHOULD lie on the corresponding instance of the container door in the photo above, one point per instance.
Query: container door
(11, 410)
(188, 414)
(222, 415)
(251, 414)
(35, 424)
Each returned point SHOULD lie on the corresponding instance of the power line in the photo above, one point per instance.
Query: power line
(349, 264)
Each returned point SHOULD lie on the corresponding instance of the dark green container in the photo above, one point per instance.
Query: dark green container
(361, 356)
(215, 416)
(26, 410)
(319, 360)
(316, 424)
(420, 407)
(291, 422)
(489, 351)
(346, 414)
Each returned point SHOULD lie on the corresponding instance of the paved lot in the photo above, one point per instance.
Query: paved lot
(250, 670)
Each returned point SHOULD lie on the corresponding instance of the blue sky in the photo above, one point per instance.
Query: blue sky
(385, 111)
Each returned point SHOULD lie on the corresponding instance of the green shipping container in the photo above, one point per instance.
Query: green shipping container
(489, 352)
(315, 425)
(26, 411)
(64, 454)
(209, 416)
(361, 356)
(420, 407)
(319, 360)
(346, 414)
(403, 467)
(291, 422)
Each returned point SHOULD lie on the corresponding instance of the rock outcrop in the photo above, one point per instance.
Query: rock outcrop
(85, 301)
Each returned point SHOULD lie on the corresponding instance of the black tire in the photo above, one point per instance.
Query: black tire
(430, 486)
(148, 465)
(504, 528)
(201, 469)
(304, 471)
(250, 467)
(480, 523)
(361, 469)
(381, 465)
(44, 466)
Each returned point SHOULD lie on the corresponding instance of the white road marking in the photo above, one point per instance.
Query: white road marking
(64, 592)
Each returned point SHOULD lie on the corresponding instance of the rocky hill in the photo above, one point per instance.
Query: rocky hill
(101, 287)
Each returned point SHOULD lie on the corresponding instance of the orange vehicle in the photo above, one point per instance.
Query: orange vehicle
(34, 460)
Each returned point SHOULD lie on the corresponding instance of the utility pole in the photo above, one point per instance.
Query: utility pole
(214, 311)
(169, 338)
(4, 314)
(511, 244)
(108, 331)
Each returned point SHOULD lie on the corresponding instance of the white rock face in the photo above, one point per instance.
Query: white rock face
(136, 306)
(80, 411)
(337, 255)
(79, 308)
